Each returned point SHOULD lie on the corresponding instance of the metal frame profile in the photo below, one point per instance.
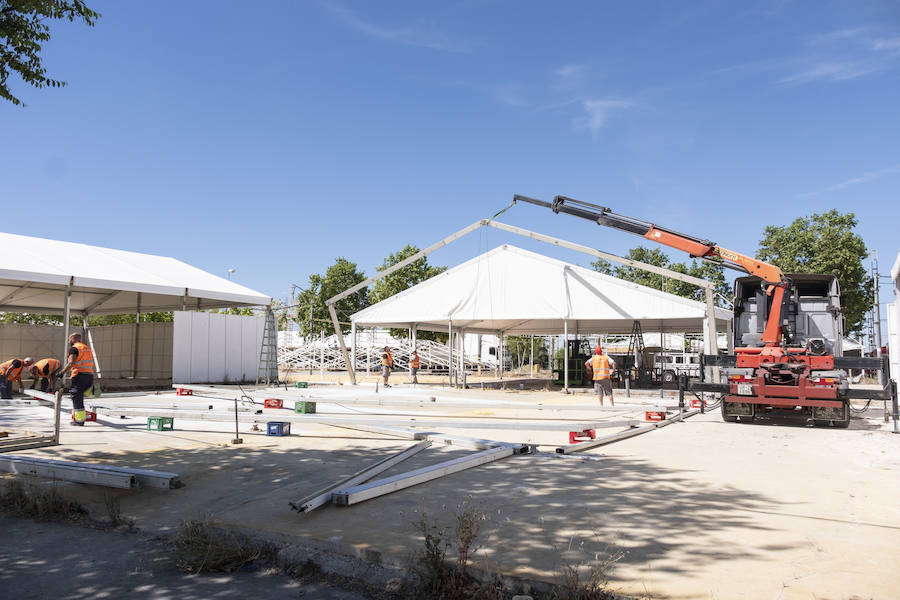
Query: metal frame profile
(709, 288)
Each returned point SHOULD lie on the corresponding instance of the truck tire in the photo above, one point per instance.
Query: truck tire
(668, 376)
(727, 418)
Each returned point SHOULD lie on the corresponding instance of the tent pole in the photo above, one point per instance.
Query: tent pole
(66, 320)
(450, 350)
(462, 361)
(137, 331)
(531, 361)
(340, 338)
(712, 347)
(353, 344)
(566, 355)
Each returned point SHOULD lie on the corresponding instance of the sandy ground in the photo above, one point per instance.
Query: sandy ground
(701, 509)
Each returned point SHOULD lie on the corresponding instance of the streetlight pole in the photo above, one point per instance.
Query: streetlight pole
(230, 271)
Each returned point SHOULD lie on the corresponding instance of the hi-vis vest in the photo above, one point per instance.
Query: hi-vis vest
(414, 363)
(51, 364)
(600, 366)
(7, 370)
(84, 362)
(387, 360)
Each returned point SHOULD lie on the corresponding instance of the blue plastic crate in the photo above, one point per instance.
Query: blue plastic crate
(278, 428)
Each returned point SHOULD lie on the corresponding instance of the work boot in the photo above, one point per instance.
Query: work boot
(78, 423)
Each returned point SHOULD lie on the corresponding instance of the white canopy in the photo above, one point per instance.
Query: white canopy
(520, 292)
(35, 274)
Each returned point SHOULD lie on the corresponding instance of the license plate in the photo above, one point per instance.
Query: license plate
(744, 389)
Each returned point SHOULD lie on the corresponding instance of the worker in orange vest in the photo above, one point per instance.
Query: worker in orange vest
(81, 362)
(414, 363)
(602, 367)
(44, 371)
(387, 363)
(11, 371)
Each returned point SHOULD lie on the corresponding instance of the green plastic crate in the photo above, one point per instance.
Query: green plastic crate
(305, 407)
(302, 384)
(160, 423)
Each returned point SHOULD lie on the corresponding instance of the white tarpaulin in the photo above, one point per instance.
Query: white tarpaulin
(520, 292)
(35, 274)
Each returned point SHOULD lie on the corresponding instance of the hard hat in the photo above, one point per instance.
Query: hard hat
(598, 350)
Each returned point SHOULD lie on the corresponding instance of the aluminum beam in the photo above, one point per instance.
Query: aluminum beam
(14, 464)
(624, 435)
(323, 496)
(381, 487)
(143, 477)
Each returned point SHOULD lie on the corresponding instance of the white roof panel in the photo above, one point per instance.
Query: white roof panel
(34, 273)
(517, 291)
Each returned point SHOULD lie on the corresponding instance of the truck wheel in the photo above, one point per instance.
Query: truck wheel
(727, 418)
(668, 376)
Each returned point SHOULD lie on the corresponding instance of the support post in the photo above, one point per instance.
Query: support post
(531, 360)
(712, 338)
(340, 337)
(353, 345)
(566, 355)
(137, 331)
(56, 411)
(450, 350)
(67, 312)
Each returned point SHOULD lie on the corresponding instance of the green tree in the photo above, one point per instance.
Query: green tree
(824, 243)
(412, 274)
(76, 320)
(701, 269)
(340, 276)
(519, 347)
(23, 31)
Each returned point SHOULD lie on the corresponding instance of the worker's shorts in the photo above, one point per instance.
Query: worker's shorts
(385, 371)
(413, 371)
(603, 386)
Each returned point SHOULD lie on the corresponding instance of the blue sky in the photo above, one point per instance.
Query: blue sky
(272, 137)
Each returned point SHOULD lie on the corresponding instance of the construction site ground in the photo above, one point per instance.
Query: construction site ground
(699, 509)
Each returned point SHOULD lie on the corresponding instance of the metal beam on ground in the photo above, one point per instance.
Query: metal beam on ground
(380, 487)
(387, 423)
(323, 496)
(624, 435)
(18, 464)
(144, 477)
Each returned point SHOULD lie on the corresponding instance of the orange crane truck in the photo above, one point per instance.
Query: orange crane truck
(787, 332)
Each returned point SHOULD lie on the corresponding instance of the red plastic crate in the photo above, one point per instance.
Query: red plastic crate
(695, 403)
(581, 436)
(183, 392)
(89, 415)
(273, 403)
(655, 415)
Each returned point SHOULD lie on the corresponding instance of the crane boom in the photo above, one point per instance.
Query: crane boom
(771, 275)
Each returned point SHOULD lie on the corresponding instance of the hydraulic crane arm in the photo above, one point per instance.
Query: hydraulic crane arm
(696, 247)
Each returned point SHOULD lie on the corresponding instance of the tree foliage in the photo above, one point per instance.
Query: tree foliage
(824, 243)
(24, 30)
(519, 347)
(76, 320)
(700, 269)
(340, 276)
(412, 274)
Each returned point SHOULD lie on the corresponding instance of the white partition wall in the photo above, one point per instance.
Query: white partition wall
(216, 348)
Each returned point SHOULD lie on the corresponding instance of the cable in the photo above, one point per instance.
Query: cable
(859, 411)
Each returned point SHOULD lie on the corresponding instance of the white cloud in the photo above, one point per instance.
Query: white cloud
(569, 77)
(831, 71)
(598, 112)
(886, 44)
(419, 36)
(864, 178)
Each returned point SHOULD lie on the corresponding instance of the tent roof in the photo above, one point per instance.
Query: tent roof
(520, 292)
(34, 274)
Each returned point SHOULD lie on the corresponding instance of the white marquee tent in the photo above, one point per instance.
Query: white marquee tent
(518, 292)
(37, 275)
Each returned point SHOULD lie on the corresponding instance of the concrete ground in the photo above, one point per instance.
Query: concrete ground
(700, 509)
(52, 560)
